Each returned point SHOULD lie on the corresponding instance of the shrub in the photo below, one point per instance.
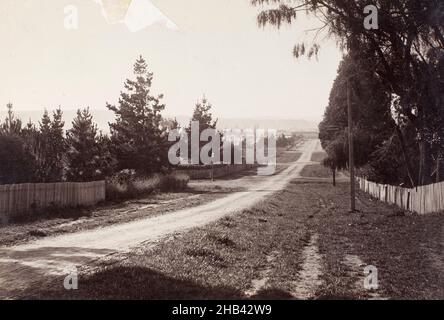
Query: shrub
(125, 185)
(17, 164)
(174, 182)
(141, 186)
(115, 190)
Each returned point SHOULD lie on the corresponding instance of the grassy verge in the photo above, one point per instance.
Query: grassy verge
(407, 249)
(318, 156)
(288, 157)
(316, 171)
(265, 244)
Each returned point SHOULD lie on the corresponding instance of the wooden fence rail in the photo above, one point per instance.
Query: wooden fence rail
(17, 199)
(422, 200)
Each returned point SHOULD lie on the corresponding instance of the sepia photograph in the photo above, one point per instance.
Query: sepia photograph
(222, 155)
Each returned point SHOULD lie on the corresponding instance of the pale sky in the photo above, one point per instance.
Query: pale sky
(218, 50)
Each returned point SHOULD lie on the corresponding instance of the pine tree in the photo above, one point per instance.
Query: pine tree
(51, 147)
(106, 162)
(203, 116)
(17, 164)
(139, 141)
(170, 124)
(12, 125)
(82, 156)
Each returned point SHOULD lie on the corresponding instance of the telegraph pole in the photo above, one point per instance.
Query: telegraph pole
(212, 166)
(351, 162)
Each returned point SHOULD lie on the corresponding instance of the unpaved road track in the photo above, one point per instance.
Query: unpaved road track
(27, 265)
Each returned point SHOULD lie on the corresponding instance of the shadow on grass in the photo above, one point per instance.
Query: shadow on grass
(278, 294)
(272, 294)
(138, 283)
(336, 297)
(214, 190)
(141, 283)
(27, 270)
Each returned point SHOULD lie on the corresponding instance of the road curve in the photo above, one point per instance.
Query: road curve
(23, 265)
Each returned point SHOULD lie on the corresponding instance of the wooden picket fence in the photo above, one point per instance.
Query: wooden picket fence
(422, 200)
(18, 199)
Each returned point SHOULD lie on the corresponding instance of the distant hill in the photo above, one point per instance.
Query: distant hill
(103, 117)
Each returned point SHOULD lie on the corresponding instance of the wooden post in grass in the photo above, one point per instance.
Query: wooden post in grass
(351, 163)
(334, 176)
(212, 166)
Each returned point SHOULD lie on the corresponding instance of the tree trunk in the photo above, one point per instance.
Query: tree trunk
(424, 163)
(421, 164)
(406, 157)
(438, 159)
(334, 176)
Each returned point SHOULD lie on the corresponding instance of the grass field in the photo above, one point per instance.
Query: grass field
(316, 171)
(318, 156)
(262, 253)
(287, 157)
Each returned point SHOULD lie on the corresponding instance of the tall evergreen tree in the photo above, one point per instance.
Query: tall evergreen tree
(82, 154)
(202, 115)
(170, 124)
(374, 127)
(16, 162)
(51, 147)
(139, 141)
(12, 125)
(106, 162)
(402, 49)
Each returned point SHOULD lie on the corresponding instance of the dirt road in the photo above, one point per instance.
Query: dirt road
(25, 266)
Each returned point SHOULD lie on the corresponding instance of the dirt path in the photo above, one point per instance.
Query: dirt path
(26, 265)
(309, 277)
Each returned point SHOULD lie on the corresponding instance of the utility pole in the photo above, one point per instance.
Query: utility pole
(351, 162)
(332, 130)
(254, 143)
(212, 166)
(333, 171)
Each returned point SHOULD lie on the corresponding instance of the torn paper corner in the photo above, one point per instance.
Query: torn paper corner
(136, 14)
